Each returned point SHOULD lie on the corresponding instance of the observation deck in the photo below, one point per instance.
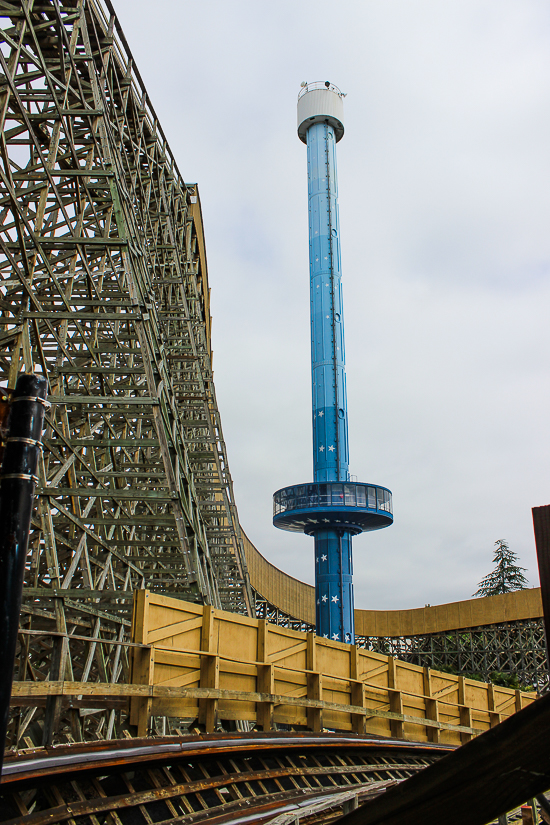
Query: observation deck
(352, 506)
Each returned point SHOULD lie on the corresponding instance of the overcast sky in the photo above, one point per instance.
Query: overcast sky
(444, 178)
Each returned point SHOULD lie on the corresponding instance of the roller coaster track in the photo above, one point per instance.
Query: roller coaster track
(212, 778)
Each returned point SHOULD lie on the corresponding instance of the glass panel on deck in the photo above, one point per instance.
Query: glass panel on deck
(324, 495)
(372, 497)
(361, 496)
(338, 494)
(349, 495)
(312, 495)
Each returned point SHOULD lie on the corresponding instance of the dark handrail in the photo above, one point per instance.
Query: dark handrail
(18, 479)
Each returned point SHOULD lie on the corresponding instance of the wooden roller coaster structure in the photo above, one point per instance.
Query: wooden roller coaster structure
(104, 291)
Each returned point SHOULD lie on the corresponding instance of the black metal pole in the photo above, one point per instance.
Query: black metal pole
(18, 478)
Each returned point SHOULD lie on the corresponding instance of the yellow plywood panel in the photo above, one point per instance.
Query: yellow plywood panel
(409, 678)
(286, 648)
(373, 668)
(235, 640)
(333, 657)
(380, 727)
(291, 682)
(415, 733)
(185, 709)
(476, 694)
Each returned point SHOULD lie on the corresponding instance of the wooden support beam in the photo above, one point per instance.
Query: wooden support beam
(266, 677)
(465, 710)
(143, 664)
(358, 721)
(209, 671)
(396, 701)
(314, 684)
(541, 525)
(432, 707)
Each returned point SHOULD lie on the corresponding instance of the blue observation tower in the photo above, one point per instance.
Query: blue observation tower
(333, 508)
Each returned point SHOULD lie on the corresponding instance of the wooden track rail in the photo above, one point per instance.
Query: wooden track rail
(197, 779)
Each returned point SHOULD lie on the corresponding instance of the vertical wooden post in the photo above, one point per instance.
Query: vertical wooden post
(143, 663)
(541, 525)
(210, 671)
(59, 660)
(358, 721)
(314, 684)
(396, 700)
(494, 716)
(527, 817)
(464, 710)
(265, 679)
(432, 707)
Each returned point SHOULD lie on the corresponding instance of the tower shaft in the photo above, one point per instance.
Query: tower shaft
(333, 559)
(329, 403)
(333, 508)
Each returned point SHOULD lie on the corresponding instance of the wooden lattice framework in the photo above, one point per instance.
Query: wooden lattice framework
(103, 287)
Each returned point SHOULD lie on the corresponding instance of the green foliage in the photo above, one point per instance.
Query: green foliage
(506, 576)
(509, 680)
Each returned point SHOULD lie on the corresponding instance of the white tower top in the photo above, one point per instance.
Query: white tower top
(320, 102)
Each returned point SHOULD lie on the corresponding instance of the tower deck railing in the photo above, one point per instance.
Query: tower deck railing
(321, 86)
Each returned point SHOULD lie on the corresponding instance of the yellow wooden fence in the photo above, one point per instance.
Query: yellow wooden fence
(197, 662)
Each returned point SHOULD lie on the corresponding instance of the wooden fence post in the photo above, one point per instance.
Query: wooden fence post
(265, 679)
(396, 700)
(314, 684)
(358, 720)
(210, 671)
(143, 663)
(432, 707)
(494, 716)
(464, 710)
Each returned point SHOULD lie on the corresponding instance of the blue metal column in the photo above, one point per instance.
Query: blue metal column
(330, 414)
(331, 509)
(333, 560)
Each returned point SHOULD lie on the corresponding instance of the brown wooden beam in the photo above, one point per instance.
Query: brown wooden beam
(541, 524)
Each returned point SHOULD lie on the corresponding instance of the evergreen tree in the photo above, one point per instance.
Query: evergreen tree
(506, 576)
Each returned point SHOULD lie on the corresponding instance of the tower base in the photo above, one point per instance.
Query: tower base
(333, 586)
